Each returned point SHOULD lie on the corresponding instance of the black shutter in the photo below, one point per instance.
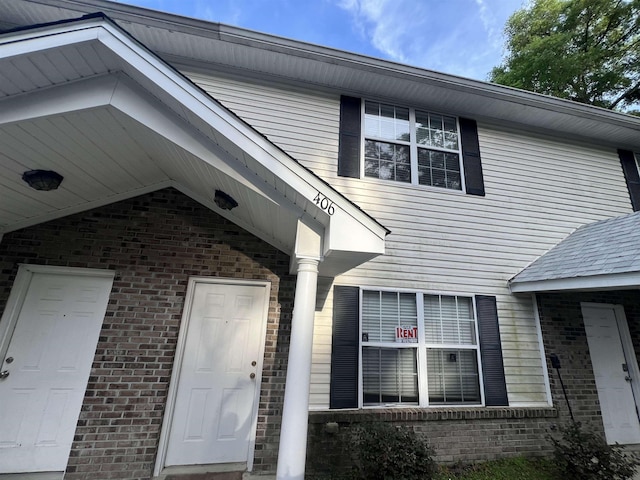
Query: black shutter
(349, 140)
(344, 347)
(631, 175)
(473, 178)
(495, 387)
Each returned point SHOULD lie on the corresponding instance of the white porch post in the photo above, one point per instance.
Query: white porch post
(295, 412)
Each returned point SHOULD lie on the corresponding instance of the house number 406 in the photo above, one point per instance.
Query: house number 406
(324, 203)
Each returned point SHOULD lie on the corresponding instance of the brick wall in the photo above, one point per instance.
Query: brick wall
(564, 334)
(154, 243)
(456, 435)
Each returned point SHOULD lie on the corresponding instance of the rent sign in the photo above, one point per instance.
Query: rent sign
(407, 334)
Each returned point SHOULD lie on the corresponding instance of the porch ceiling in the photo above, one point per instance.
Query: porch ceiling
(603, 255)
(84, 99)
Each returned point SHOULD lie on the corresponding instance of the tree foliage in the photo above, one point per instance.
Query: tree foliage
(582, 50)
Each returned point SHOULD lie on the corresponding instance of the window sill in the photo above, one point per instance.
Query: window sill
(429, 414)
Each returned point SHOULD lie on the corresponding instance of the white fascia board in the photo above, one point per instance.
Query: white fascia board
(611, 281)
(227, 124)
(46, 38)
(147, 69)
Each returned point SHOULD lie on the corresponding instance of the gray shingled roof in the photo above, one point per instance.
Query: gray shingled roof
(607, 247)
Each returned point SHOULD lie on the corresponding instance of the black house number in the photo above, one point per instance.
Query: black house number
(324, 203)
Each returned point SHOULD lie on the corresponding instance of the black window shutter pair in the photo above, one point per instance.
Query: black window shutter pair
(349, 146)
(632, 176)
(345, 344)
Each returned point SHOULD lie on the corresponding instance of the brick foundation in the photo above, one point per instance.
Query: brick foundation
(456, 434)
(154, 243)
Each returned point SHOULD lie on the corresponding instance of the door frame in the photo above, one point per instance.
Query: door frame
(19, 292)
(179, 355)
(627, 346)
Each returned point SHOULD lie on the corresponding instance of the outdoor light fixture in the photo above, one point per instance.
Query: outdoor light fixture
(43, 180)
(224, 201)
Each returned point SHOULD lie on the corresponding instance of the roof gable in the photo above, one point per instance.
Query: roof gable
(116, 121)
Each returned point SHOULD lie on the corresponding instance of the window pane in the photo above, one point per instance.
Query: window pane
(383, 312)
(434, 130)
(389, 375)
(449, 319)
(439, 169)
(386, 121)
(453, 376)
(388, 161)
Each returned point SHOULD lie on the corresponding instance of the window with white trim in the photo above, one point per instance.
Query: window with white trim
(411, 146)
(418, 349)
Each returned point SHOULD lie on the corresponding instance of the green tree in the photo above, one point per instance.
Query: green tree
(583, 50)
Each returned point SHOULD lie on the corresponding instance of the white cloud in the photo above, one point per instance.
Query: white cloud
(390, 25)
(463, 37)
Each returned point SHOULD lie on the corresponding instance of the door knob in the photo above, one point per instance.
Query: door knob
(252, 376)
(4, 374)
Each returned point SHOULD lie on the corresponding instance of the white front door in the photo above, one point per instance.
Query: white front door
(215, 412)
(46, 367)
(614, 369)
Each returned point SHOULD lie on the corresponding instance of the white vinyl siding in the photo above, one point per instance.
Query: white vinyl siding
(538, 190)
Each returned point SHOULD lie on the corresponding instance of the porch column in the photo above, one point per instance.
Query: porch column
(295, 413)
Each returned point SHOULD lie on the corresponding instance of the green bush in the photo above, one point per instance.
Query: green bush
(386, 452)
(582, 454)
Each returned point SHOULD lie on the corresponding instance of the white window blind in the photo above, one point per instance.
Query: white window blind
(445, 358)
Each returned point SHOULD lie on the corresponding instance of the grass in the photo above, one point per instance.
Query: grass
(518, 468)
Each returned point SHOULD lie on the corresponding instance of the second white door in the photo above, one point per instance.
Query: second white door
(215, 412)
(613, 372)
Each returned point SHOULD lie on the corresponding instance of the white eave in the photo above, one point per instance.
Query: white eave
(614, 281)
(192, 44)
(85, 99)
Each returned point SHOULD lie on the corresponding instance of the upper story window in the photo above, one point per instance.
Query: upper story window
(411, 146)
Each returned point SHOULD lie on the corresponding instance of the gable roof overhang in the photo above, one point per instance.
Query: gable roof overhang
(85, 99)
(194, 44)
(604, 255)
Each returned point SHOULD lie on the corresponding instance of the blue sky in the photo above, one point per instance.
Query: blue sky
(461, 37)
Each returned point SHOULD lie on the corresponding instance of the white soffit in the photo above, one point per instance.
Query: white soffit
(72, 73)
(197, 43)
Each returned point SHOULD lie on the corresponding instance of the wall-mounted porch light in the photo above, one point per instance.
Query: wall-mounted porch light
(43, 180)
(224, 201)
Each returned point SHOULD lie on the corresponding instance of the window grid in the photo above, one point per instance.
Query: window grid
(441, 372)
(411, 146)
